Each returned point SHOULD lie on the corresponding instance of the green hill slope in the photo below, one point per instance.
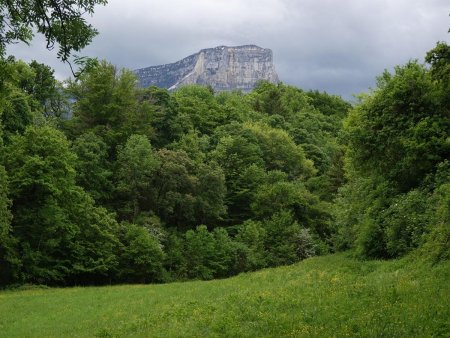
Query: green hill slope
(324, 296)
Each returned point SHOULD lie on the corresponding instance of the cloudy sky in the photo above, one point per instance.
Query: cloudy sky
(334, 46)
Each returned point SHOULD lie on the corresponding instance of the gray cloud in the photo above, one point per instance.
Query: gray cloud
(337, 46)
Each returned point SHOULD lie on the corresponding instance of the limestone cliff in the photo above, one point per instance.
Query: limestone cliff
(223, 68)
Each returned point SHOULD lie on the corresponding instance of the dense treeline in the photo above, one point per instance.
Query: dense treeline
(105, 182)
(397, 197)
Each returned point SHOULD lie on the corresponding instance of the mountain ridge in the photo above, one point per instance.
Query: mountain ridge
(223, 68)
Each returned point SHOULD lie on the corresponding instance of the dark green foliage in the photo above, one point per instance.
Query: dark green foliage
(61, 235)
(392, 130)
(46, 91)
(199, 250)
(164, 115)
(397, 144)
(122, 195)
(93, 170)
(285, 242)
(92, 250)
(275, 241)
(184, 193)
(208, 254)
(437, 240)
(106, 104)
(40, 163)
(197, 110)
(136, 164)
(17, 115)
(224, 253)
(8, 258)
(357, 213)
(268, 99)
(329, 105)
(16, 106)
(175, 261)
(240, 157)
(439, 59)
(405, 221)
(140, 256)
(252, 235)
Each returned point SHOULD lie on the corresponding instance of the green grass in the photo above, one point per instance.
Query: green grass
(331, 296)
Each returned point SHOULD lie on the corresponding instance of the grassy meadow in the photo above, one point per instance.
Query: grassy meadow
(330, 296)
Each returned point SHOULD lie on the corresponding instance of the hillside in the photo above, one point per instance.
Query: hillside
(319, 297)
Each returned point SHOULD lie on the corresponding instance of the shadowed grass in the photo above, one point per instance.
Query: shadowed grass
(324, 296)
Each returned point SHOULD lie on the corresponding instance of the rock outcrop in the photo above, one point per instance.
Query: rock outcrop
(223, 68)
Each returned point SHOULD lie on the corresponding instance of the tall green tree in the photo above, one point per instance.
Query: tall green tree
(61, 235)
(8, 257)
(397, 145)
(136, 164)
(185, 193)
(280, 152)
(107, 103)
(17, 108)
(400, 131)
(93, 169)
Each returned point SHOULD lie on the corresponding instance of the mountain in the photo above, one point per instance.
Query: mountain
(223, 68)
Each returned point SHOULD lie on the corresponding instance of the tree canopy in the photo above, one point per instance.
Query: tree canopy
(128, 184)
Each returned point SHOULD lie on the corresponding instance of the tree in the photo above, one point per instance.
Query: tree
(61, 22)
(136, 165)
(47, 91)
(306, 208)
(241, 159)
(8, 258)
(17, 107)
(92, 251)
(330, 105)
(140, 257)
(62, 237)
(164, 115)
(199, 249)
(208, 254)
(106, 103)
(253, 235)
(391, 130)
(93, 169)
(185, 193)
(439, 59)
(197, 109)
(280, 152)
(267, 98)
(285, 242)
(397, 144)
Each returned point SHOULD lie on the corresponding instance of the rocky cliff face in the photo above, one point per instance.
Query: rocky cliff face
(223, 68)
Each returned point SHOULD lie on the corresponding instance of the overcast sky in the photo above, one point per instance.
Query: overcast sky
(329, 45)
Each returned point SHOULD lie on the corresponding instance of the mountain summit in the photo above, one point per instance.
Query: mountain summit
(223, 68)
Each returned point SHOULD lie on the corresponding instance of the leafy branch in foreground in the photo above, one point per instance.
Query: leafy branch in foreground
(62, 23)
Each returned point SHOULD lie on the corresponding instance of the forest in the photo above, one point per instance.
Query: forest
(104, 182)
